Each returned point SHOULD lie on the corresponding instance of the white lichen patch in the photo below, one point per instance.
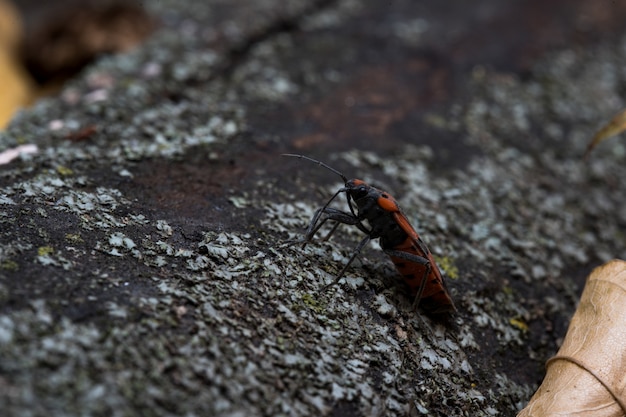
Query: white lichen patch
(164, 228)
(483, 313)
(7, 329)
(283, 217)
(48, 257)
(384, 307)
(119, 240)
(239, 201)
(224, 245)
(116, 311)
(5, 199)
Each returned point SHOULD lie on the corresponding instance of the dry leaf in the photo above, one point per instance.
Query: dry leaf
(616, 125)
(587, 377)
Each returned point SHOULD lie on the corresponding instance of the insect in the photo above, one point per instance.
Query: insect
(386, 222)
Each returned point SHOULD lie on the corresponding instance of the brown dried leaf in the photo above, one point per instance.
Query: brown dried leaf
(587, 377)
(616, 126)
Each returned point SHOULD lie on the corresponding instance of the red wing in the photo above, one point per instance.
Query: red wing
(419, 244)
(435, 294)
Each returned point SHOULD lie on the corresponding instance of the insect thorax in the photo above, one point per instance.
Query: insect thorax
(382, 223)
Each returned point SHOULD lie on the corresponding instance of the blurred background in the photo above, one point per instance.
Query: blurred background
(42, 44)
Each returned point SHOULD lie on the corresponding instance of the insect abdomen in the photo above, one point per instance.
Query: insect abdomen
(435, 297)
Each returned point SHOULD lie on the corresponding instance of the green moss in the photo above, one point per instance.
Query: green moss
(519, 323)
(45, 251)
(448, 266)
(313, 303)
(435, 120)
(64, 171)
(9, 265)
(74, 238)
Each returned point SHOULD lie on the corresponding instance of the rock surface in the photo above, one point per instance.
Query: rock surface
(143, 269)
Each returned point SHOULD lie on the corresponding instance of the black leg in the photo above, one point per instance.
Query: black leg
(329, 213)
(322, 216)
(417, 259)
(318, 214)
(358, 249)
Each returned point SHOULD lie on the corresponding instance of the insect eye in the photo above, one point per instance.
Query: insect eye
(360, 192)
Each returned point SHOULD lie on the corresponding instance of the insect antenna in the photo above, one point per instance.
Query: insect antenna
(320, 163)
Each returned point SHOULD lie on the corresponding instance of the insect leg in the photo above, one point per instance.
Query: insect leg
(331, 231)
(313, 225)
(324, 214)
(319, 218)
(329, 213)
(358, 249)
(418, 259)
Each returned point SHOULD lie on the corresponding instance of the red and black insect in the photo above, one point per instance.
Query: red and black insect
(397, 238)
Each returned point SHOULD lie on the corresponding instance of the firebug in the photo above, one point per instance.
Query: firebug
(377, 214)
